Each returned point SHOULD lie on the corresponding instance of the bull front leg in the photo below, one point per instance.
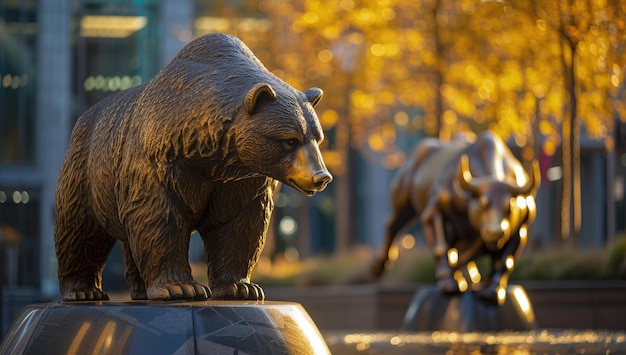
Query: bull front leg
(503, 263)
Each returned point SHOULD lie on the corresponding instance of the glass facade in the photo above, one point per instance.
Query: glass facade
(112, 45)
(18, 36)
(59, 57)
(19, 236)
(115, 48)
(19, 198)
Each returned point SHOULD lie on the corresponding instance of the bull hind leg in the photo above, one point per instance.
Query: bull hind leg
(402, 214)
(401, 217)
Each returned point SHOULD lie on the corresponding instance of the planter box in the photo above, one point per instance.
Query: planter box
(558, 304)
(579, 305)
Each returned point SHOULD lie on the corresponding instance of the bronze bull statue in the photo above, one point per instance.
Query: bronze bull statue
(472, 199)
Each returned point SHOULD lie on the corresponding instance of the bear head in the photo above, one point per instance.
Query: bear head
(279, 136)
(215, 108)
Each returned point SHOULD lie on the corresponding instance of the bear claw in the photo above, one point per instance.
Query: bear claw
(239, 291)
(89, 295)
(172, 291)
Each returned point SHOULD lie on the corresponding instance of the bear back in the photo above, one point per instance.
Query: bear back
(187, 108)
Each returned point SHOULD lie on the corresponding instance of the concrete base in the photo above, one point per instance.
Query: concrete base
(143, 327)
(431, 310)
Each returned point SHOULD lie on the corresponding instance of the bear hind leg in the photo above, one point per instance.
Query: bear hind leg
(133, 276)
(82, 257)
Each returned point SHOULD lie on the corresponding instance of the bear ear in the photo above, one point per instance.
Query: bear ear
(314, 95)
(256, 95)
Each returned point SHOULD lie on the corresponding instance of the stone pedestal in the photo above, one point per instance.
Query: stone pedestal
(431, 310)
(143, 327)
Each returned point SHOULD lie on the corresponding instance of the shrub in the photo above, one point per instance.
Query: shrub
(418, 266)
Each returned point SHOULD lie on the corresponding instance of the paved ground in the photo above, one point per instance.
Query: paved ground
(532, 342)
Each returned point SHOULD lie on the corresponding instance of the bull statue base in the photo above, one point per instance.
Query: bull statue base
(431, 310)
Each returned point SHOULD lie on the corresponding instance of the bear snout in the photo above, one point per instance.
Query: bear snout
(321, 179)
(308, 173)
(309, 184)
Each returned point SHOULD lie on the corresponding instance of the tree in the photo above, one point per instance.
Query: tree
(591, 34)
(534, 72)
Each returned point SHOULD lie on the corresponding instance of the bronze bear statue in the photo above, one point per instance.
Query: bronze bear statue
(200, 147)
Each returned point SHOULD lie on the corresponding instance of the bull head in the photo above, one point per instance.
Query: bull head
(497, 208)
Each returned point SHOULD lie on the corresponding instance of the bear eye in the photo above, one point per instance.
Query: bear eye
(290, 144)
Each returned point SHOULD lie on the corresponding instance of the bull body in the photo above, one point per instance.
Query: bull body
(472, 199)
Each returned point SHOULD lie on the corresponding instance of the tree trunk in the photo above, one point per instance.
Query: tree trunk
(570, 198)
(441, 64)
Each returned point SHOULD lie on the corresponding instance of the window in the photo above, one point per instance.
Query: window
(116, 49)
(19, 236)
(17, 81)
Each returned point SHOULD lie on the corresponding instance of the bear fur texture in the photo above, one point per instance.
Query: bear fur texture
(200, 147)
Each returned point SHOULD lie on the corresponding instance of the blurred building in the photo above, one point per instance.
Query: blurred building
(59, 57)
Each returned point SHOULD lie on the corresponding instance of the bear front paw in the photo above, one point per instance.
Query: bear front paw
(178, 290)
(238, 291)
(86, 295)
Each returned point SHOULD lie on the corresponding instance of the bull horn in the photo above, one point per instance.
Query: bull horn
(534, 179)
(465, 176)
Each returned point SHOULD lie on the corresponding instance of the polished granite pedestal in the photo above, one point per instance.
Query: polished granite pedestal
(432, 310)
(143, 327)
